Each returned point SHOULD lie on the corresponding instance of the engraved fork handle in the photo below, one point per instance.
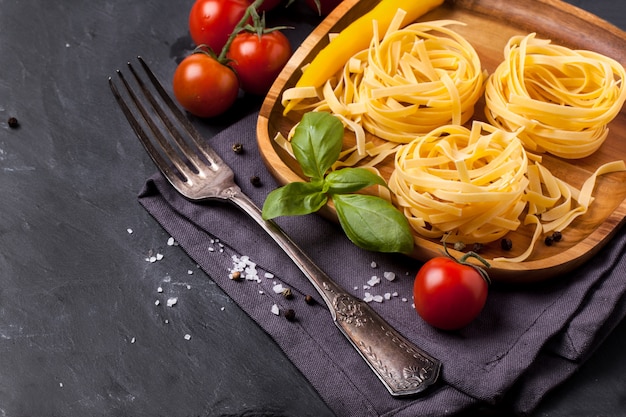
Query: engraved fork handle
(402, 367)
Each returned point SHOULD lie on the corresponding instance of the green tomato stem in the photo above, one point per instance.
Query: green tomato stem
(251, 11)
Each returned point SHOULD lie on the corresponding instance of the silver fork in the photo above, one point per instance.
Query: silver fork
(198, 173)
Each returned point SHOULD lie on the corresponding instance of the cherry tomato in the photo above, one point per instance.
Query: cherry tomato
(212, 21)
(204, 86)
(258, 61)
(449, 294)
(325, 6)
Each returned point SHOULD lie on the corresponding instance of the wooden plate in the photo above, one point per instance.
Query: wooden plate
(489, 25)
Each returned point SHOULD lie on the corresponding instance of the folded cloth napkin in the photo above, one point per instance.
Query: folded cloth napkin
(527, 340)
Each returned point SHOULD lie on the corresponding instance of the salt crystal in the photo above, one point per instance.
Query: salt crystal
(132, 340)
(61, 384)
(170, 241)
(269, 275)
(387, 296)
(389, 276)
(172, 301)
(188, 286)
(160, 289)
(211, 249)
(189, 272)
(378, 298)
(157, 302)
(373, 264)
(151, 259)
(404, 300)
(278, 288)
(395, 293)
(187, 336)
(130, 231)
(222, 308)
(368, 297)
(275, 310)
(159, 256)
(373, 281)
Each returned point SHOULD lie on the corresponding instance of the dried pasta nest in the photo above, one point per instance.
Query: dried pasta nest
(563, 98)
(467, 182)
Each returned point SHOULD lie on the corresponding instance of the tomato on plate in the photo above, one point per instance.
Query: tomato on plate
(450, 293)
(212, 21)
(258, 60)
(204, 86)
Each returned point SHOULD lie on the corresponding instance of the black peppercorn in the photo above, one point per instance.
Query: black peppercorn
(290, 315)
(13, 123)
(549, 240)
(506, 244)
(309, 300)
(256, 181)
(238, 148)
(557, 236)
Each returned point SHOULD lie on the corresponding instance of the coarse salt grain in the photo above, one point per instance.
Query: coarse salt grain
(378, 298)
(373, 281)
(157, 302)
(130, 231)
(187, 336)
(368, 297)
(373, 264)
(389, 276)
(171, 241)
(275, 310)
(160, 289)
(172, 301)
(278, 288)
(132, 340)
(269, 275)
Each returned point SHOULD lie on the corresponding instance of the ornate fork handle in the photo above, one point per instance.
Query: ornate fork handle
(402, 367)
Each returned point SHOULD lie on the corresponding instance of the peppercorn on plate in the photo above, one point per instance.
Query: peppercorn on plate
(488, 121)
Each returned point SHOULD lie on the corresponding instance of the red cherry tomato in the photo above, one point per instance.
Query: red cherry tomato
(204, 86)
(449, 294)
(212, 21)
(324, 7)
(258, 61)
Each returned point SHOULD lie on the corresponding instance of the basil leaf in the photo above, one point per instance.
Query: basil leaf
(294, 199)
(349, 180)
(317, 142)
(373, 223)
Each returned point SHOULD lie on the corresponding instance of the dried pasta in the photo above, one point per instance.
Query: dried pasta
(563, 98)
(475, 185)
(469, 183)
(415, 79)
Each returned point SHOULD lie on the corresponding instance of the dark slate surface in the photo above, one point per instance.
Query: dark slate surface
(80, 331)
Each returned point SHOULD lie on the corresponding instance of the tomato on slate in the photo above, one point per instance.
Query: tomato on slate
(204, 86)
(450, 293)
(258, 60)
(212, 21)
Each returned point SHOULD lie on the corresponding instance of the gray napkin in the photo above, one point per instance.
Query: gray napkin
(527, 340)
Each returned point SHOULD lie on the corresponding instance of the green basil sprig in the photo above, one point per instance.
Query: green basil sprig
(370, 222)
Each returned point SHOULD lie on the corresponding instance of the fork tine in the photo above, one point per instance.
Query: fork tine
(190, 154)
(211, 156)
(155, 155)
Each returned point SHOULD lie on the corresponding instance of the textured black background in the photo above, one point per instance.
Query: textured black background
(80, 333)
